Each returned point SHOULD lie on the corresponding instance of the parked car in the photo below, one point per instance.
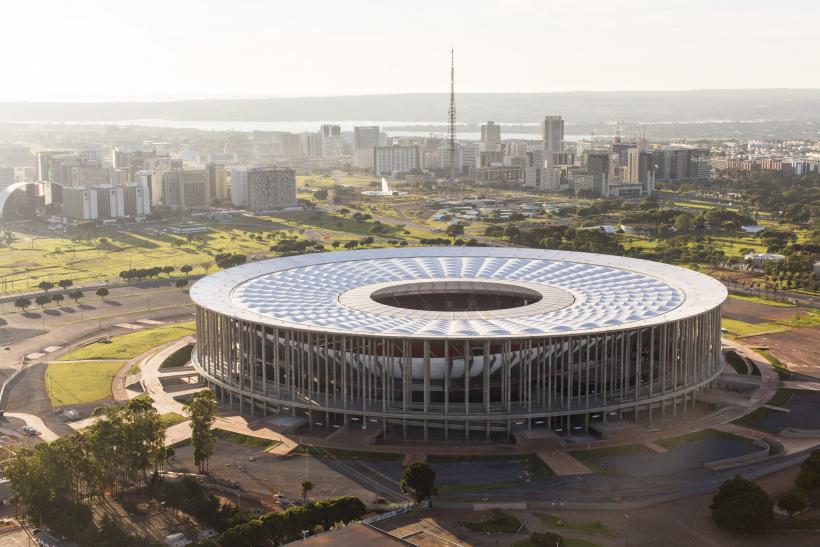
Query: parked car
(30, 431)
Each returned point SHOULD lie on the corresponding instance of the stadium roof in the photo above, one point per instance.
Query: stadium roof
(581, 292)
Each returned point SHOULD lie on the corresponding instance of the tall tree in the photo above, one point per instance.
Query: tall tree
(742, 505)
(22, 303)
(102, 292)
(202, 410)
(76, 295)
(307, 486)
(418, 482)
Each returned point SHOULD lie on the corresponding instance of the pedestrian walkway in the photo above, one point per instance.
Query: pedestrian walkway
(562, 463)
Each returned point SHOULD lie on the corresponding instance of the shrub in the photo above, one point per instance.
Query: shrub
(546, 539)
(809, 476)
(792, 502)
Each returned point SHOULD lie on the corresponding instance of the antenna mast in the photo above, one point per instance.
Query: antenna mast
(452, 121)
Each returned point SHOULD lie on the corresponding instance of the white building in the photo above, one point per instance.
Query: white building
(490, 133)
(111, 201)
(262, 188)
(6, 177)
(365, 139)
(388, 160)
(137, 200)
(332, 143)
(80, 203)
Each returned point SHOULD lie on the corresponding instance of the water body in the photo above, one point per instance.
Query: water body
(394, 128)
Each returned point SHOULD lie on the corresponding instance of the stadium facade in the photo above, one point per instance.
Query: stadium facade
(454, 343)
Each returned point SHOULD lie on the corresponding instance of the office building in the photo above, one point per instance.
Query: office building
(598, 166)
(553, 132)
(263, 188)
(365, 139)
(641, 169)
(110, 201)
(6, 177)
(390, 160)
(80, 203)
(217, 176)
(679, 164)
(332, 144)
(137, 200)
(490, 134)
(184, 189)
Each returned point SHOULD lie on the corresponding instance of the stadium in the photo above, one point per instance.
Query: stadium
(468, 343)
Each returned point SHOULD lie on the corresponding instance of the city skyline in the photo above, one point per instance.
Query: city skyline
(257, 49)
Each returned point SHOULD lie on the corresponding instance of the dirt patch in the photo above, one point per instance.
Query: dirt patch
(755, 313)
(799, 349)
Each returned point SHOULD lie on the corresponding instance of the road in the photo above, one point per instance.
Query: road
(46, 334)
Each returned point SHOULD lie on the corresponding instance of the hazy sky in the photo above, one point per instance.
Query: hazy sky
(171, 49)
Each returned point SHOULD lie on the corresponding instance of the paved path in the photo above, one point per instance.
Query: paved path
(807, 386)
(164, 402)
(37, 423)
(562, 463)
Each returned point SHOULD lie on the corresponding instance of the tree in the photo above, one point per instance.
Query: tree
(792, 502)
(511, 232)
(180, 283)
(335, 243)
(186, 269)
(57, 298)
(22, 303)
(307, 486)
(742, 505)
(65, 283)
(418, 482)
(809, 476)
(202, 410)
(494, 230)
(168, 269)
(102, 292)
(42, 300)
(455, 230)
(45, 286)
(683, 223)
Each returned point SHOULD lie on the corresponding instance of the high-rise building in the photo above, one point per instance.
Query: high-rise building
(120, 159)
(490, 133)
(365, 139)
(388, 160)
(80, 203)
(6, 177)
(678, 164)
(217, 176)
(332, 144)
(598, 168)
(311, 144)
(110, 201)
(184, 189)
(641, 169)
(263, 188)
(44, 163)
(553, 132)
(137, 200)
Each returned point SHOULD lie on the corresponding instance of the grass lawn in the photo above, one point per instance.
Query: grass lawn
(128, 346)
(681, 440)
(761, 300)
(29, 260)
(780, 398)
(172, 418)
(590, 457)
(568, 542)
(340, 454)
(178, 358)
(581, 527)
(497, 522)
(79, 383)
(532, 464)
(245, 440)
(742, 328)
